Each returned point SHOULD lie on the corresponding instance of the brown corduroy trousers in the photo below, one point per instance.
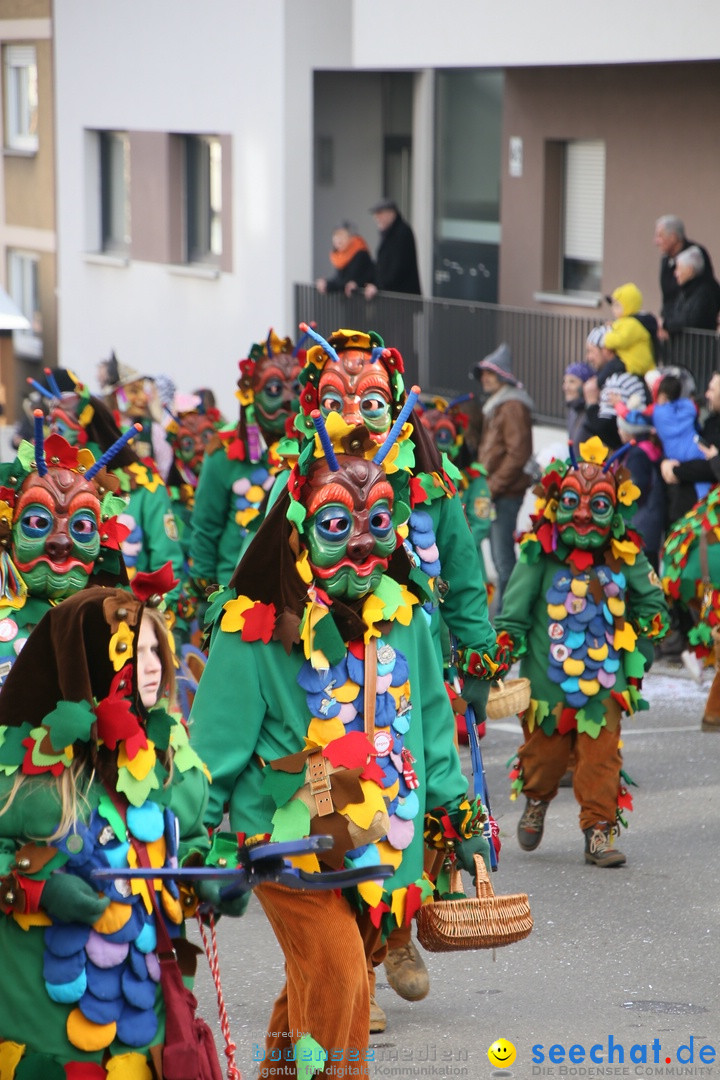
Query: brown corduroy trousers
(596, 775)
(326, 993)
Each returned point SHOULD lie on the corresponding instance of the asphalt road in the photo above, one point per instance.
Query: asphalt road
(620, 972)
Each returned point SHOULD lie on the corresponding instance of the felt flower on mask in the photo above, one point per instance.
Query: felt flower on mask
(593, 450)
(121, 646)
(628, 493)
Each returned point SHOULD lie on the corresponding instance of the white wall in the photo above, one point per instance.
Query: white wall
(190, 66)
(399, 34)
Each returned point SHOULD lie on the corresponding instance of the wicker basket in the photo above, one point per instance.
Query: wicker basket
(508, 698)
(486, 922)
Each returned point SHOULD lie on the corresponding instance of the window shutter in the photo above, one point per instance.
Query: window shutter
(584, 200)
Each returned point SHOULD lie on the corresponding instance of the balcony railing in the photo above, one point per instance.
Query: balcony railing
(440, 340)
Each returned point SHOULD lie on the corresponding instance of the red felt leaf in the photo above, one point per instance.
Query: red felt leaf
(136, 742)
(236, 450)
(351, 750)
(377, 912)
(31, 769)
(357, 648)
(57, 447)
(567, 721)
(413, 901)
(116, 721)
(372, 771)
(113, 533)
(157, 583)
(545, 536)
(580, 559)
(259, 622)
(124, 677)
(417, 492)
(624, 799)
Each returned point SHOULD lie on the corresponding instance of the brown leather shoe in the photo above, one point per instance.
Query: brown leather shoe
(378, 1019)
(406, 972)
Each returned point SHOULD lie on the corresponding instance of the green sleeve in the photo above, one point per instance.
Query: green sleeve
(519, 600)
(445, 783)
(465, 608)
(210, 514)
(277, 489)
(645, 597)
(227, 717)
(188, 802)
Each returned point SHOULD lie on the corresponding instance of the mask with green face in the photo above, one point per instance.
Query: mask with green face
(56, 532)
(586, 507)
(349, 530)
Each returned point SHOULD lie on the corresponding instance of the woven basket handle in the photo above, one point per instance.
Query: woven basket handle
(483, 885)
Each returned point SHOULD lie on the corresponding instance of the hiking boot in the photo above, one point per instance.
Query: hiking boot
(406, 972)
(378, 1019)
(531, 824)
(599, 846)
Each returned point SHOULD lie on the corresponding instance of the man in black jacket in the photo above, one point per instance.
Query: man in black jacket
(670, 238)
(396, 268)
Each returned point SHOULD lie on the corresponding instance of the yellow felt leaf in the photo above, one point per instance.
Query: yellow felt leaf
(244, 517)
(529, 717)
(371, 892)
(38, 918)
(593, 450)
(234, 618)
(10, 1055)
(628, 493)
(141, 764)
(128, 1067)
(363, 813)
(625, 638)
(141, 887)
(121, 646)
(398, 905)
(302, 565)
(308, 863)
(625, 550)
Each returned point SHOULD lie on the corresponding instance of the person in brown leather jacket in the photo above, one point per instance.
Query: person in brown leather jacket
(505, 450)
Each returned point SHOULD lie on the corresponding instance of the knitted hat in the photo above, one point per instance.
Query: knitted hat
(596, 336)
(581, 370)
(499, 363)
(637, 427)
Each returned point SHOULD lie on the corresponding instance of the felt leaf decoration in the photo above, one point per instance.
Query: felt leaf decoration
(121, 646)
(159, 726)
(350, 751)
(234, 618)
(156, 582)
(346, 788)
(259, 623)
(593, 450)
(281, 786)
(12, 750)
(625, 638)
(377, 913)
(136, 791)
(310, 1057)
(184, 756)
(371, 892)
(397, 905)
(69, 720)
(108, 810)
(328, 641)
(116, 721)
(413, 902)
(321, 732)
(291, 821)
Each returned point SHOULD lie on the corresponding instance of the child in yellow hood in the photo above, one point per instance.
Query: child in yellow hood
(631, 334)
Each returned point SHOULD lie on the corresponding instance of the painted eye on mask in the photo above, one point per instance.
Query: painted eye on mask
(373, 405)
(600, 504)
(83, 527)
(187, 445)
(207, 435)
(36, 522)
(381, 521)
(570, 500)
(273, 388)
(331, 401)
(334, 523)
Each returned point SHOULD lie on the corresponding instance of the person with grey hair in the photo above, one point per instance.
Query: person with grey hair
(698, 301)
(670, 238)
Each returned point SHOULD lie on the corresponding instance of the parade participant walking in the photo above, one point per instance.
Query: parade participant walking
(95, 773)
(238, 474)
(582, 607)
(354, 374)
(323, 630)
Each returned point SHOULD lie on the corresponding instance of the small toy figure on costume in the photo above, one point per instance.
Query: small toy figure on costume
(96, 772)
(581, 612)
(238, 474)
(323, 631)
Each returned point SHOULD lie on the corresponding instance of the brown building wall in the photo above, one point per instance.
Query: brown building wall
(29, 178)
(661, 127)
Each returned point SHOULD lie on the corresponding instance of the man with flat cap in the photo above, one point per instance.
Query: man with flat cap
(396, 261)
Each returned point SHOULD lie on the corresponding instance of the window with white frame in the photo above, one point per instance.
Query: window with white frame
(21, 97)
(203, 198)
(114, 191)
(583, 216)
(24, 289)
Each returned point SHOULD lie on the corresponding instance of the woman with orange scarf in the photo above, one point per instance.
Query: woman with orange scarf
(354, 267)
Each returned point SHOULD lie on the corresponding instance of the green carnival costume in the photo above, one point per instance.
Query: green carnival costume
(237, 474)
(86, 777)
(581, 609)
